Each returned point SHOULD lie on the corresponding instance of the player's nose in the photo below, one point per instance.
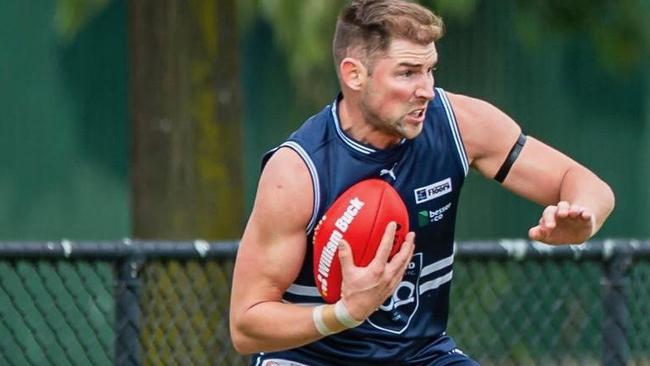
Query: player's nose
(424, 93)
(425, 90)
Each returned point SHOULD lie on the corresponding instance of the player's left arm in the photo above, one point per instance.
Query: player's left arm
(577, 201)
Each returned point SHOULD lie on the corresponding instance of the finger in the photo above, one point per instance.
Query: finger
(575, 211)
(537, 233)
(345, 255)
(592, 221)
(396, 273)
(407, 259)
(548, 217)
(563, 208)
(403, 256)
(386, 243)
(395, 280)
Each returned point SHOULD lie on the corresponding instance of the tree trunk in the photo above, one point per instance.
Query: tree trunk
(185, 108)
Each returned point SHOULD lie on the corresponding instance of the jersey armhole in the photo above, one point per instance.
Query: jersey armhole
(293, 145)
(453, 126)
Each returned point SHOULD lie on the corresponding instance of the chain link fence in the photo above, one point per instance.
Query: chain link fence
(515, 303)
(166, 303)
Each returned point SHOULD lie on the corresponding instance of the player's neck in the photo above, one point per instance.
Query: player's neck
(355, 125)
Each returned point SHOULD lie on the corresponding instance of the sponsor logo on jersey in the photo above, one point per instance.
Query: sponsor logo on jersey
(426, 217)
(390, 172)
(435, 190)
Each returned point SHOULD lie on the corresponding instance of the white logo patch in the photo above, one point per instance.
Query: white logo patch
(395, 314)
(427, 193)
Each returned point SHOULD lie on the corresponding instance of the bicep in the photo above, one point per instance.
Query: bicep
(538, 172)
(273, 245)
(489, 135)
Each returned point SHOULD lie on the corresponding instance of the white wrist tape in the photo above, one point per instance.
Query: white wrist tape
(344, 317)
(317, 316)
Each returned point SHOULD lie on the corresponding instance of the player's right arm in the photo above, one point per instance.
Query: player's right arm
(269, 258)
(271, 253)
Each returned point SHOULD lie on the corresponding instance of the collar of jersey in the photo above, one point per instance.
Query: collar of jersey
(353, 144)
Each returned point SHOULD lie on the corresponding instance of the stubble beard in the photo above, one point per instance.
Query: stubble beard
(398, 128)
(393, 128)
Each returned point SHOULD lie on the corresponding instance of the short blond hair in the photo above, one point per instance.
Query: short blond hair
(366, 28)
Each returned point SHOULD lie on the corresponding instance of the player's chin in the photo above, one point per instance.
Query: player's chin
(411, 130)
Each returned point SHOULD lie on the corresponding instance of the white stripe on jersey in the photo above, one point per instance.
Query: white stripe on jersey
(284, 301)
(436, 266)
(314, 179)
(454, 129)
(303, 290)
(312, 291)
(434, 284)
(353, 144)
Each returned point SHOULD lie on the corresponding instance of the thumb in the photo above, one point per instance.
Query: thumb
(345, 254)
(536, 233)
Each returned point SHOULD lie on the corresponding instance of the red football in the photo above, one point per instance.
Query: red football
(359, 216)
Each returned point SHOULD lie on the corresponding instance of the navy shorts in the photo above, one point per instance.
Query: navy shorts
(452, 358)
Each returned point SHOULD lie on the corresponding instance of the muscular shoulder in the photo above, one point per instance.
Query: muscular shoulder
(487, 132)
(285, 190)
(275, 234)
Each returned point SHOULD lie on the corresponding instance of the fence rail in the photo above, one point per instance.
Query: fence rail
(200, 249)
(134, 302)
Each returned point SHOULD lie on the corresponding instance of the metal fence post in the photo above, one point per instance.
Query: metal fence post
(615, 283)
(127, 312)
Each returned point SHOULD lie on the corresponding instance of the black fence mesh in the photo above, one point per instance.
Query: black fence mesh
(167, 304)
(525, 313)
(185, 314)
(638, 294)
(56, 312)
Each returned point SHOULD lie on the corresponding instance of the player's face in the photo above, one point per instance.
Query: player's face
(399, 87)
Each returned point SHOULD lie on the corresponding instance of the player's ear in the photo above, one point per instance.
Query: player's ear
(353, 73)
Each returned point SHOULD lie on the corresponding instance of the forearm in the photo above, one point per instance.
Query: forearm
(582, 187)
(274, 326)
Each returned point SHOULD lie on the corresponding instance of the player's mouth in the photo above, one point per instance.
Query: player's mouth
(417, 114)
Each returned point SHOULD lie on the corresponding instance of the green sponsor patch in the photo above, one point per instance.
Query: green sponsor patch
(423, 218)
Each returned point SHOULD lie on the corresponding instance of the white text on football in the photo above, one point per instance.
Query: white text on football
(349, 214)
(327, 256)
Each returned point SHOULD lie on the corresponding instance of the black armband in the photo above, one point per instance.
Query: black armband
(510, 159)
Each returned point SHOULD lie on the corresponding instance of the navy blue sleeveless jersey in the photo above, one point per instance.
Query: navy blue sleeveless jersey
(428, 172)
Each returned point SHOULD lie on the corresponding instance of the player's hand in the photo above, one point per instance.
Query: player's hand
(364, 289)
(564, 224)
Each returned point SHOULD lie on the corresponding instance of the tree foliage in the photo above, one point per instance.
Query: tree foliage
(619, 31)
(303, 30)
(72, 15)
